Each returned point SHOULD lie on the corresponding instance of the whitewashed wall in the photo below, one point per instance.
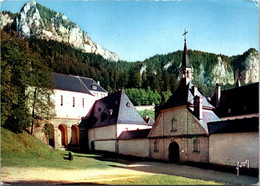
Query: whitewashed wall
(109, 146)
(134, 147)
(103, 137)
(67, 110)
(227, 149)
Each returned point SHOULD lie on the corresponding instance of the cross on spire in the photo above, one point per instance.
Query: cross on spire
(185, 33)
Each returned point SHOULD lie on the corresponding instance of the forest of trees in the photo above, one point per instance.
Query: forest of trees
(28, 62)
(26, 83)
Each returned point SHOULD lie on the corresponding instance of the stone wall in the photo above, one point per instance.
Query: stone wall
(176, 121)
(186, 149)
(227, 149)
(180, 126)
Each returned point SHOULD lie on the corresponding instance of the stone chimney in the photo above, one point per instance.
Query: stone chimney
(218, 94)
(195, 90)
(198, 107)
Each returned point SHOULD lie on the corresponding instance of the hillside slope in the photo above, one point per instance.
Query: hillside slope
(25, 150)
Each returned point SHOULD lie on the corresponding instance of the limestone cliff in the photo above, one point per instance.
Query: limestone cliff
(35, 19)
(222, 73)
(251, 72)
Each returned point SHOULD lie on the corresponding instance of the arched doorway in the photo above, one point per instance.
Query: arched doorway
(64, 137)
(75, 135)
(48, 130)
(174, 154)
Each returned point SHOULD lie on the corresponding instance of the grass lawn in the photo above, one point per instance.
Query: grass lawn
(156, 179)
(20, 151)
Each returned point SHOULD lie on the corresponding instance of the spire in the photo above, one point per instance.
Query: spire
(185, 70)
(185, 58)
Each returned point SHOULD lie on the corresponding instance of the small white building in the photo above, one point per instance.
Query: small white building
(109, 117)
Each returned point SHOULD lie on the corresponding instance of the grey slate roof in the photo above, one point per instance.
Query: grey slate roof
(74, 83)
(207, 117)
(69, 83)
(184, 96)
(89, 81)
(235, 126)
(135, 134)
(240, 100)
(114, 109)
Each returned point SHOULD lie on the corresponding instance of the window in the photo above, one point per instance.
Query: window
(82, 102)
(73, 104)
(155, 146)
(196, 145)
(61, 100)
(173, 124)
(110, 112)
(93, 86)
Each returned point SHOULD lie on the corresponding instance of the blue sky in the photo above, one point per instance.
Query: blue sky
(137, 30)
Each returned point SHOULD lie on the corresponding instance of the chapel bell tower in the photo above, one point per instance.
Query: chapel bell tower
(185, 70)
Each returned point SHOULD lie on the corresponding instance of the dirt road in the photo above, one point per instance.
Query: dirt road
(47, 175)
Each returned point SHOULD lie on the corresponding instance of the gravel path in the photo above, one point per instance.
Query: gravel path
(48, 175)
(54, 176)
(193, 172)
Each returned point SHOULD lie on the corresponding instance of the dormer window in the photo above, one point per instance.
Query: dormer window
(110, 112)
(93, 86)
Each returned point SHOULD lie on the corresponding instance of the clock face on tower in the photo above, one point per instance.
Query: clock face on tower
(173, 124)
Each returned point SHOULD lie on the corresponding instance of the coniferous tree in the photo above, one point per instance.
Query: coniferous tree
(22, 69)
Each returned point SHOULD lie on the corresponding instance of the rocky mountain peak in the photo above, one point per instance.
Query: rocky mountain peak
(35, 19)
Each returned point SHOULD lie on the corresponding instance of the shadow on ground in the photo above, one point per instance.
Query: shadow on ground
(189, 170)
(36, 182)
